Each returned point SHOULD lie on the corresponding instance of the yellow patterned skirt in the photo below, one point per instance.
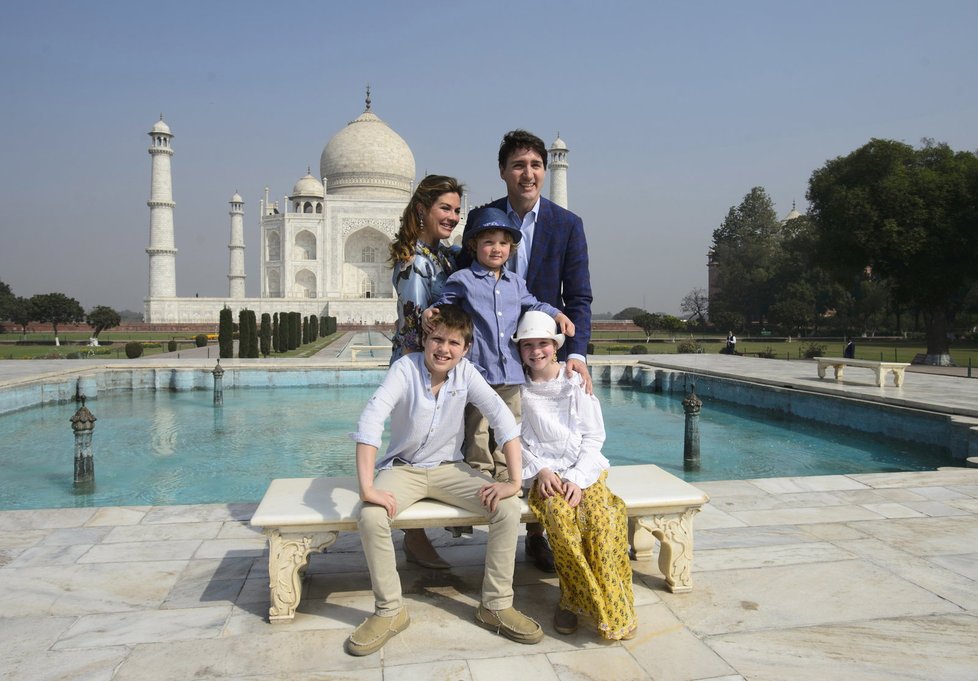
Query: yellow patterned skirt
(590, 545)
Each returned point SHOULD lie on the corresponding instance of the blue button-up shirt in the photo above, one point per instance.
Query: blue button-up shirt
(426, 430)
(495, 306)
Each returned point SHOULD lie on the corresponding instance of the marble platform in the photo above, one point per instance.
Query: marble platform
(871, 576)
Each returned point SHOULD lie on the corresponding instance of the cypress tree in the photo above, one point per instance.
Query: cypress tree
(275, 332)
(225, 334)
(295, 330)
(305, 330)
(322, 326)
(243, 342)
(266, 334)
(313, 328)
(252, 334)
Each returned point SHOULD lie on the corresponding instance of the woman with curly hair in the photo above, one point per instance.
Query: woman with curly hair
(420, 260)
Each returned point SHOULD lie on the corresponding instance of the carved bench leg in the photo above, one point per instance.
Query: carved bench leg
(840, 371)
(675, 535)
(898, 377)
(287, 559)
(880, 376)
(821, 371)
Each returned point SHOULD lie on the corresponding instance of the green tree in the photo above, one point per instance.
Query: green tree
(7, 298)
(243, 340)
(225, 334)
(746, 248)
(55, 309)
(275, 332)
(253, 341)
(21, 312)
(648, 322)
(102, 317)
(910, 216)
(629, 313)
(265, 334)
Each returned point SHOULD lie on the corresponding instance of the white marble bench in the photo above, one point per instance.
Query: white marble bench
(302, 515)
(879, 368)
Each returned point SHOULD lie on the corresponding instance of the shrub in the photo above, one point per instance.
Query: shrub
(590, 348)
(73, 355)
(638, 350)
(225, 334)
(688, 347)
(171, 346)
(812, 350)
(134, 349)
(200, 340)
(265, 334)
(767, 353)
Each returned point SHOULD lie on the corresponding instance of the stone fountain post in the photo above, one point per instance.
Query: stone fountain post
(218, 385)
(691, 442)
(83, 423)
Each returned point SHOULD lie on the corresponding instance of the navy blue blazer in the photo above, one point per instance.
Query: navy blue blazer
(558, 270)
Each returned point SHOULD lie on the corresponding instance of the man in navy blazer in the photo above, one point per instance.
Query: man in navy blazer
(552, 256)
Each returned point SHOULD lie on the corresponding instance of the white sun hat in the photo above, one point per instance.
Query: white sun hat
(535, 324)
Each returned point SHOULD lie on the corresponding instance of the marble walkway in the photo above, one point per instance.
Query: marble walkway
(863, 576)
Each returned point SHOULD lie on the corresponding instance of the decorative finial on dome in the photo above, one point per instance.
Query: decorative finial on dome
(161, 115)
(792, 204)
(308, 170)
(368, 97)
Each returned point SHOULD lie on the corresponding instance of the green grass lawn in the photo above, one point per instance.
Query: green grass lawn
(617, 343)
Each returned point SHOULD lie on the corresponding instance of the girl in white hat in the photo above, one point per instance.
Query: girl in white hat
(562, 434)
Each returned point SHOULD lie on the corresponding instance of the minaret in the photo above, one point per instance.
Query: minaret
(558, 172)
(236, 269)
(162, 254)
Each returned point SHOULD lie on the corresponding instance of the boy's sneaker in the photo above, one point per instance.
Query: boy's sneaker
(375, 631)
(511, 623)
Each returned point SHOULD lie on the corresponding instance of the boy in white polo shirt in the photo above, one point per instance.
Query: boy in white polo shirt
(425, 394)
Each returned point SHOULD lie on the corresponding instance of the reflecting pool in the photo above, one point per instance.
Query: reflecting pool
(161, 447)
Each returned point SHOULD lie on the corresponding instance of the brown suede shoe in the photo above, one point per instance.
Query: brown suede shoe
(375, 631)
(511, 623)
(565, 622)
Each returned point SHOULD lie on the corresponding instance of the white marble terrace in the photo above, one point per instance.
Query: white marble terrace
(859, 577)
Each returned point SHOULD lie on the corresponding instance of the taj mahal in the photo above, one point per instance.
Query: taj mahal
(324, 249)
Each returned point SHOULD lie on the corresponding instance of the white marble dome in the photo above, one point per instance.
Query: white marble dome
(161, 126)
(367, 158)
(558, 144)
(307, 186)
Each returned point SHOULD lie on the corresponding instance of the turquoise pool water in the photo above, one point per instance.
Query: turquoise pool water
(154, 448)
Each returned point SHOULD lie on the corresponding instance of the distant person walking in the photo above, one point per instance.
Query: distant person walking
(731, 343)
(850, 351)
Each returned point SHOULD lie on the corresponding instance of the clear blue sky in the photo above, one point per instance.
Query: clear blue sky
(672, 112)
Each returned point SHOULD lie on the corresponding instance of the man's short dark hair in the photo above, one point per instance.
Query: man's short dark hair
(516, 140)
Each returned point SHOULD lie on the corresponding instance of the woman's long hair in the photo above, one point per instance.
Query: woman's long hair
(425, 195)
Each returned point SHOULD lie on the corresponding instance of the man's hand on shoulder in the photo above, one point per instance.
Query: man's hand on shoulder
(575, 365)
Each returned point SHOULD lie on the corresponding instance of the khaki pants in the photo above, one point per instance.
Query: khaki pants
(480, 448)
(454, 483)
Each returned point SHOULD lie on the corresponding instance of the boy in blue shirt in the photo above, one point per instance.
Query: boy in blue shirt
(425, 394)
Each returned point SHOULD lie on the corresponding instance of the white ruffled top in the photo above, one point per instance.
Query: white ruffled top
(562, 430)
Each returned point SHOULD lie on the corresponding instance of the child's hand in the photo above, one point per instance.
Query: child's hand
(565, 324)
(572, 493)
(381, 498)
(549, 483)
(492, 494)
(426, 318)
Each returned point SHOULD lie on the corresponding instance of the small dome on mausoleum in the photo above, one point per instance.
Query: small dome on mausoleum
(308, 186)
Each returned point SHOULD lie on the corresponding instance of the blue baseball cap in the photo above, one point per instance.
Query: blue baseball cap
(487, 217)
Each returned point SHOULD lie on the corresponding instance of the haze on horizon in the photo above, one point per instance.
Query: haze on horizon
(672, 113)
